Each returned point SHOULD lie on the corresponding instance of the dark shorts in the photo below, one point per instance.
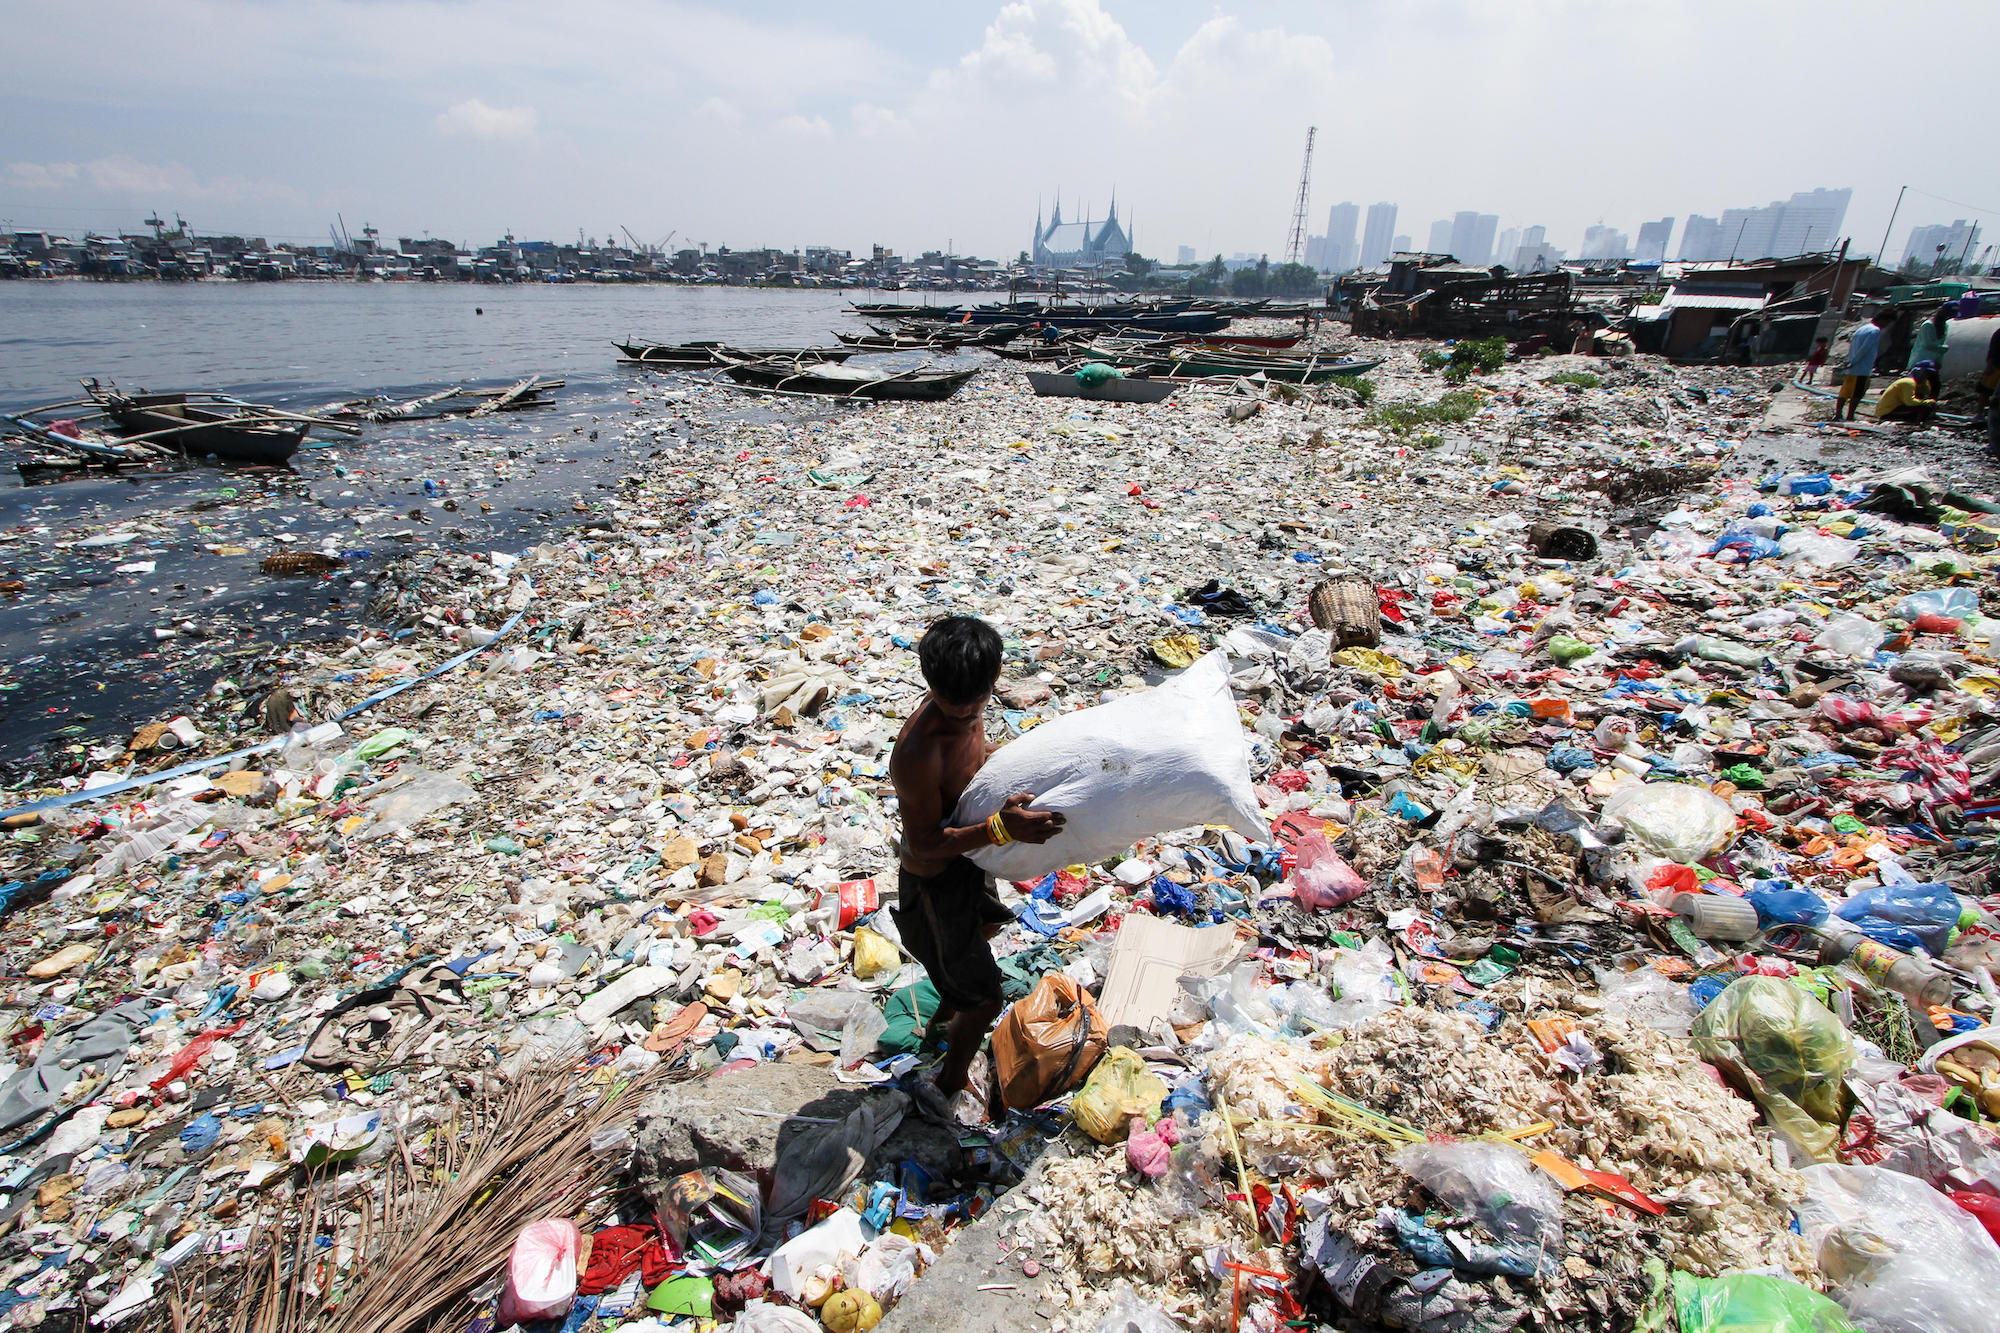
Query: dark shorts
(943, 919)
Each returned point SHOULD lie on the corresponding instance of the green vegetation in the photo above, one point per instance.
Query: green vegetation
(1434, 358)
(1362, 389)
(1582, 379)
(1483, 355)
(1455, 408)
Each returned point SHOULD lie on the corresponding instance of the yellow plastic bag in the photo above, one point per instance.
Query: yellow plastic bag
(873, 955)
(1118, 1089)
(1176, 650)
(1370, 661)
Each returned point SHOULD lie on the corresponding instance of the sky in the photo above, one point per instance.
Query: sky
(924, 125)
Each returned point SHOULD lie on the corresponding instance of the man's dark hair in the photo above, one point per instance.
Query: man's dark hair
(960, 657)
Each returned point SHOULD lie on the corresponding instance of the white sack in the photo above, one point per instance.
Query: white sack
(1144, 764)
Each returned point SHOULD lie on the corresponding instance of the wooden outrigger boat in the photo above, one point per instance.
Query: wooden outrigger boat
(118, 430)
(707, 354)
(919, 385)
(1121, 389)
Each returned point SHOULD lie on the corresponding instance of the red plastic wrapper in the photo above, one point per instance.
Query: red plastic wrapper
(190, 1055)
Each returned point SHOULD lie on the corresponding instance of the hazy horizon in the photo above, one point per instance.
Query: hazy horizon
(930, 127)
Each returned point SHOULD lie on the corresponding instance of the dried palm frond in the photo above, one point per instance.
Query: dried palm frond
(404, 1252)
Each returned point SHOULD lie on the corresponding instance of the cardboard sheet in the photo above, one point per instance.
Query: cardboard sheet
(1149, 958)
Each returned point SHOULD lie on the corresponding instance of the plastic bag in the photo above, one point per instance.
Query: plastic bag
(1322, 881)
(1788, 1049)
(1130, 1314)
(541, 1272)
(1143, 764)
(1904, 916)
(887, 1267)
(1821, 552)
(1119, 1088)
(1779, 905)
(1850, 635)
(1093, 373)
(1494, 1183)
(1647, 997)
(1753, 1303)
(423, 795)
(1047, 1042)
(1681, 822)
(1985, 1208)
(873, 955)
(822, 1016)
(1956, 603)
(769, 1317)
(1899, 1256)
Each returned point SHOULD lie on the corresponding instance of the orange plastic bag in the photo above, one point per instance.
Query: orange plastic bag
(1047, 1042)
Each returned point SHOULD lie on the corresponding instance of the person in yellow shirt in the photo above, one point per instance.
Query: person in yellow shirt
(1911, 398)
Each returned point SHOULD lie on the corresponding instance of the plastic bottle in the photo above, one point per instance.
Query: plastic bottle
(1711, 649)
(1916, 979)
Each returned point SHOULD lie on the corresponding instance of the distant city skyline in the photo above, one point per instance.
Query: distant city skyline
(923, 127)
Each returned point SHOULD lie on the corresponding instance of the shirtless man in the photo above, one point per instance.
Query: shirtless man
(946, 908)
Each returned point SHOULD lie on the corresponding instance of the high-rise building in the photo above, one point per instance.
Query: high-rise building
(1504, 248)
(1342, 250)
(1184, 254)
(1653, 237)
(1400, 244)
(1380, 236)
(1809, 222)
(1472, 237)
(1959, 240)
(1535, 254)
(1440, 241)
(1602, 242)
(1701, 238)
(1747, 233)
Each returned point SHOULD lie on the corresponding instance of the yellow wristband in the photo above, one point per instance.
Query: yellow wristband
(996, 829)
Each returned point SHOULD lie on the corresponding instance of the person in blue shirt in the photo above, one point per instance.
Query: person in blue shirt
(1862, 349)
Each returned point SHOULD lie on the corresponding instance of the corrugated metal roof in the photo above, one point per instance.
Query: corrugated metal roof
(1706, 301)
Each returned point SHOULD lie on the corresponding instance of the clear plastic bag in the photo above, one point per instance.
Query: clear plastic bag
(1646, 997)
(1899, 1256)
(1681, 822)
(1850, 635)
(423, 794)
(1494, 1183)
(1130, 1314)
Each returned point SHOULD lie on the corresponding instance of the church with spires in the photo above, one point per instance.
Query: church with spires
(1084, 244)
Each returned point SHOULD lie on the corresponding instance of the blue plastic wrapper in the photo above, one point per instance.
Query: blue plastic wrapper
(1705, 989)
(1778, 903)
(1171, 897)
(1751, 546)
(1904, 916)
(1569, 758)
(1806, 483)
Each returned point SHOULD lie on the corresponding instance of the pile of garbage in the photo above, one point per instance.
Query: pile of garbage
(1573, 907)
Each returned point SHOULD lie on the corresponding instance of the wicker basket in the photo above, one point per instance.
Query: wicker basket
(300, 562)
(1349, 610)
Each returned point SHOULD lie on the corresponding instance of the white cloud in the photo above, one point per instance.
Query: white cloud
(719, 111)
(126, 176)
(875, 121)
(41, 175)
(474, 119)
(808, 127)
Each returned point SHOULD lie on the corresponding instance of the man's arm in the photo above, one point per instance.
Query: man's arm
(918, 780)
